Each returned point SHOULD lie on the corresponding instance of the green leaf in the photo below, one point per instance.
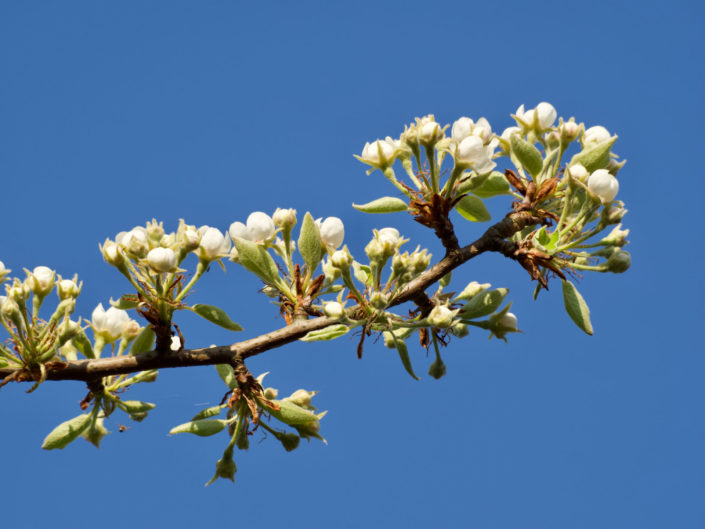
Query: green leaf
(484, 303)
(66, 432)
(227, 374)
(328, 333)
(202, 428)
(546, 242)
(309, 243)
(216, 315)
(125, 302)
(383, 205)
(363, 273)
(528, 155)
(83, 344)
(257, 260)
(404, 357)
(135, 406)
(144, 342)
(473, 209)
(576, 307)
(208, 412)
(496, 184)
(290, 413)
(594, 157)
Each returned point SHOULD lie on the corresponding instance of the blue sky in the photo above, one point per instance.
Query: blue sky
(114, 113)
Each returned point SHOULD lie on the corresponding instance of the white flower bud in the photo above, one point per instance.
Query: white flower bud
(109, 323)
(472, 290)
(441, 316)
(66, 288)
(260, 226)
(430, 132)
(546, 115)
(134, 241)
(482, 130)
(284, 218)
(390, 240)
(341, 259)
(187, 237)
(603, 184)
(508, 321)
(334, 309)
(213, 244)
(130, 330)
(41, 280)
(239, 230)
(578, 172)
(332, 232)
(507, 133)
(569, 131)
(175, 343)
(301, 397)
(379, 153)
(155, 230)
(617, 237)
(379, 300)
(374, 250)
(469, 151)
(162, 259)
(596, 134)
(111, 254)
(461, 129)
(619, 262)
(3, 272)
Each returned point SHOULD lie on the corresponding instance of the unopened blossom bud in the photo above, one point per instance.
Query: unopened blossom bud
(508, 321)
(460, 330)
(482, 130)
(134, 241)
(213, 244)
(441, 316)
(260, 226)
(545, 115)
(419, 261)
(67, 288)
(109, 323)
(553, 139)
(437, 369)
(461, 129)
(569, 131)
(430, 131)
(302, 398)
(238, 230)
(617, 237)
(162, 259)
(341, 258)
(130, 330)
(614, 214)
(155, 231)
(374, 250)
(3, 272)
(379, 300)
(334, 309)
(472, 290)
(619, 262)
(507, 133)
(469, 151)
(41, 280)
(332, 232)
(284, 218)
(594, 135)
(187, 237)
(390, 240)
(18, 292)
(379, 153)
(111, 254)
(603, 184)
(578, 172)
(11, 310)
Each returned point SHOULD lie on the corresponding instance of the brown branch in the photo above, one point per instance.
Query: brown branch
(494, 239)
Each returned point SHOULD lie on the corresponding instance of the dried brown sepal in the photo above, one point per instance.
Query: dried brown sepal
(516, 182)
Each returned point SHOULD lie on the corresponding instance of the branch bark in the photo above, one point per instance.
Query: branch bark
(494, 239)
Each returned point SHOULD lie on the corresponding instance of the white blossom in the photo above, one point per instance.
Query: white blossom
(162, 259)
(66, 288)
(508, 321)
(603, 184)
(109, 323)
(379, 153)
(213, 244)
(239, 231)
(441, 316)
(284, 218)
(42, 280)
(542, 116)
(260, 226)
(578, 172)
(596, 134)
(333, 309)
(332, 232)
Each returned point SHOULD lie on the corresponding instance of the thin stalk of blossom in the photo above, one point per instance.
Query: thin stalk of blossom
(390, 175)
(134, 283)
(566, 202)
(8, 355)
(406, 163)
(36, 304)
(577, 219)
(455, 173)
(286, 237)
(431, 156)
(594, 268)
(200, 270)
(577, 242)
(347, 279)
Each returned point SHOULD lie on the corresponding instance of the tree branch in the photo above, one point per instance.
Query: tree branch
(494, 239)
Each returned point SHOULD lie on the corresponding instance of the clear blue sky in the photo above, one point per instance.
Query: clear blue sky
(112, 113)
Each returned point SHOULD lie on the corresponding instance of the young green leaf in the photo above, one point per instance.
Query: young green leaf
(289, 413)
(328, 333)
(528, 155)
(125, 302)
(495, 184)
(202, 428)
(309, 243)
(257, 260)
(383, 205)
(576, 307)
(66, 432)
(208, 412)
(596, 156)
(473, 209)
(136, 406)
(144, 342)
(484, 303)
(227, 374)
(216, 315)
(404, 357)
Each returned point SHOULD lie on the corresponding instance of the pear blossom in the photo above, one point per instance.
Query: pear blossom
(508, 321)
(471, 152)
(109, 323)
(111, 253)
(542, 116)
(332, 232)
(3, 271)
(67, 288)
(238, 230)
(187, 237)
(603, 184)
(213, 244)
(162, 259)
(578, 172)
(569, 130)
(260, 226)
(134, 241)
(441, 316)
(379, 153)
(389, 237)
(461, 129)
(41, 280)
(429, 131)
(333, 309)
(284, 218)
(596, 134)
